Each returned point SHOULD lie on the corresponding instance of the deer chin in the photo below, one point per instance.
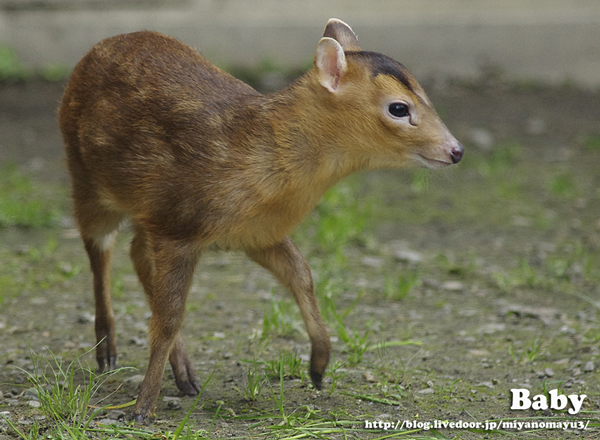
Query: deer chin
(430, 163)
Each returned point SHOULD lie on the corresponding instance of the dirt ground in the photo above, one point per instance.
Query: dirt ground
(473, 281)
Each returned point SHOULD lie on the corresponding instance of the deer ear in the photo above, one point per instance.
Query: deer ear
(330, 63)
(342, 33)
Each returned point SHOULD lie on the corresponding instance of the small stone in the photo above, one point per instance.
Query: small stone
(426, 391)
(39, 301)
(116, 415)
(31, 392)
(370, 377)
(588, 367)
(85, 318)
(34, 404)
(66, 268)
(548, 372)
(172, 402)
(408, 256)
(135, 380)
(453, 286)
(375, 262)
(479, 353)
(492, 327)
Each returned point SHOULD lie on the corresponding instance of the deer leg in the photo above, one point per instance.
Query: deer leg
(165, 269)
(100, 255)
(285, 261)
(183, 369)
(99, 228)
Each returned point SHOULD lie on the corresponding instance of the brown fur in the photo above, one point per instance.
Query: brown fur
(196, 158)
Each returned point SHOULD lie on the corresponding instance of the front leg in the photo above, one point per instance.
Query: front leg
(289, 266)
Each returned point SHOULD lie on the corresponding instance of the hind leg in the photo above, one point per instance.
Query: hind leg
(183, 369)
(100, 255)
(167, 270)
(98, 224)
(99, 232)
(98, 227)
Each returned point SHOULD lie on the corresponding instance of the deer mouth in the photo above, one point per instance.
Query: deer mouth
(431, 163)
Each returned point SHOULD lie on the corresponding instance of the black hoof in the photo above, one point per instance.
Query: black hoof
(189, 388)
(102, 366)
(317, 379)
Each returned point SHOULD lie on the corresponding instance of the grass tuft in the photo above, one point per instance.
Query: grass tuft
(406, 282)
(68, 392)
(280, 318)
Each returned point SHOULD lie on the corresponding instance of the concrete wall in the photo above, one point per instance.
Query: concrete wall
(547, 40)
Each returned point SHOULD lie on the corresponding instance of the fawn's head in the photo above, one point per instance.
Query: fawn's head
(374, 107)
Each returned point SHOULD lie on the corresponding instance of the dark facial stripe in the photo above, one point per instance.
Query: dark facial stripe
(383, 65)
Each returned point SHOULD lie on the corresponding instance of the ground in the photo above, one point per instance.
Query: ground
(442, 291)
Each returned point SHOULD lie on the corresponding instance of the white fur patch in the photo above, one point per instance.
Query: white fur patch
(107, 241)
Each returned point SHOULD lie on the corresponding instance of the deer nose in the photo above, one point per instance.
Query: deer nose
(457, 152)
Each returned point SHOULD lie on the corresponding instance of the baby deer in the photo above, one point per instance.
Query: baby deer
(198, 159)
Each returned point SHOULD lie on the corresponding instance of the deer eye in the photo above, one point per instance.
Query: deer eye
(398, 110)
